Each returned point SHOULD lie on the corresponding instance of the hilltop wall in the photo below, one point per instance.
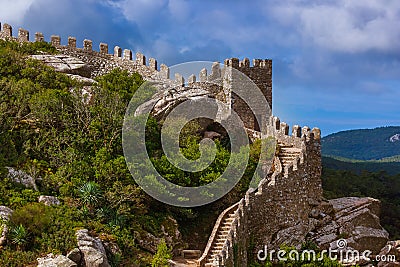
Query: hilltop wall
(280, 210)
(102, 61)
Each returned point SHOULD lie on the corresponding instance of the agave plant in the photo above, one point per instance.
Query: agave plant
(19, 236)
(91, 194)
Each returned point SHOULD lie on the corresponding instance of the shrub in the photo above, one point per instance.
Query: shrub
(91, 194)
(162, 256)
(19, 236)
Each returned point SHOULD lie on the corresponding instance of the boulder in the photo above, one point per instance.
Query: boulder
(65, 64)
(21, 177)
(211, 135)
(92, 249)
(55, 261)
(354, 219)
(147, 241)
(390, 254)
(49, 200)
(167, 99)
(75, 255)
(5, 214)
(170, 234)
(81, 79)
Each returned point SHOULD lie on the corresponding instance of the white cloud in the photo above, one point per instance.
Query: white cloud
(179, 9)
(140, 11)
(345, 26)
(13, 11)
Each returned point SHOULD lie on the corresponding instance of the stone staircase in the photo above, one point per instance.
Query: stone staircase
(221, 237)
(218, 237)
(287, 154)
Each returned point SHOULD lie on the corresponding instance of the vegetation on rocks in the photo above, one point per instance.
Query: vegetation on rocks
(72, 147)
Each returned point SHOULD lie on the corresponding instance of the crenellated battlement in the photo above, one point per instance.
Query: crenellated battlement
(119, 57)
(101, 61)
(281, 131)
(290, 189)
(245, 63)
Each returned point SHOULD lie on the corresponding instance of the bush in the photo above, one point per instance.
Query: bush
(50, 228)
(162, 256)
(19, 236)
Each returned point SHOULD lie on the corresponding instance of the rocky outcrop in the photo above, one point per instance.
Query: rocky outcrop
(22, 177)
(75, 255)
(55, 261)
(81, 79)
(170, 234)
(167, 99)
(65, 64)
(92, 249)
(49, 200)
(147, 241)
(354, 219)
(212, 135)
(389, 255)
(5, 214)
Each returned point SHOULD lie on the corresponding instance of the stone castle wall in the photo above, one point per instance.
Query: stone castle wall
(278, 211)
(101, 62)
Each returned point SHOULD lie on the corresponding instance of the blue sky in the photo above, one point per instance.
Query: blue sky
(336, 62)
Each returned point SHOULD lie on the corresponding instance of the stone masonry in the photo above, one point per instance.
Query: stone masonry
(287, 202)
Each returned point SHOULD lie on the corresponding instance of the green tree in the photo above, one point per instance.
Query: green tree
(162, 256)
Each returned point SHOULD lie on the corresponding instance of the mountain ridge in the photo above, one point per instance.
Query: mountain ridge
(363, 144)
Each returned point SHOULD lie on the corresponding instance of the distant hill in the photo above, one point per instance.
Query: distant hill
(366, 144)
(358, 167)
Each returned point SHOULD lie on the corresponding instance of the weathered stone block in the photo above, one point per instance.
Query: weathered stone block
(153, 64)
(117, 51)
(87, 45)
(140, 59)
(203, 75)
(127, 54)
(39, 37)
(103, 47)
(7, 30)
(71, 42)
(23, 35)
(55, 40)
(164, 71)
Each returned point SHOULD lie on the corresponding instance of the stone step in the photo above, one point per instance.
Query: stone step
(287, 158)
(191, 254)
(288, 155)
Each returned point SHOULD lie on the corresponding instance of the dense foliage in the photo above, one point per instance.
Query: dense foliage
(391, 168)
(366, 144)
(71, 144)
